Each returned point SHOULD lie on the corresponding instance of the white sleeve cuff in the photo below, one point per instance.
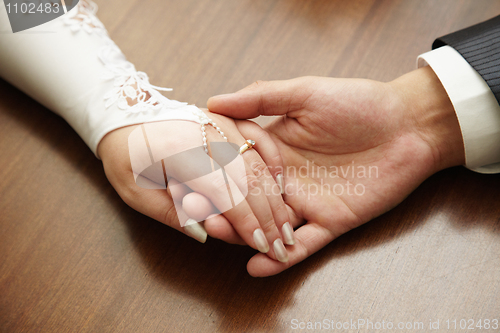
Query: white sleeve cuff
(477, 109)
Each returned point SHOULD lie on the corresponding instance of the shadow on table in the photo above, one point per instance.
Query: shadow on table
(215, 272)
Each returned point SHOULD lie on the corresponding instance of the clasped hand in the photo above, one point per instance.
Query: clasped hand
(348, 151)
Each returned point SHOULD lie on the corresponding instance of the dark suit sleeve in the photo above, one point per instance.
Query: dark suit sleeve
(480, 46)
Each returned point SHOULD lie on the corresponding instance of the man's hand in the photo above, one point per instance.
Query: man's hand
(352, 149)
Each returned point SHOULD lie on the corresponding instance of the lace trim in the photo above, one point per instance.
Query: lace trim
(84, 18)
(132, 91)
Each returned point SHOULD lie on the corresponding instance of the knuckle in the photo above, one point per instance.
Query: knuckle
(218, 185)
(259, 168)
(248, 219)
(169, 216)
(252, 183)
(128, 193)
(283, 101)
(275, 160)
(264, 136)
(280, 208)
(268, 226)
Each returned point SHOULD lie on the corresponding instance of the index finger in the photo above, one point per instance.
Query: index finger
(268, 98)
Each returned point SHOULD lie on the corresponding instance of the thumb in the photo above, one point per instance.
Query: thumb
(268, 98)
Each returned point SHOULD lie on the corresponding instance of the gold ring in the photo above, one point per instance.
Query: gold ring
(247, 145)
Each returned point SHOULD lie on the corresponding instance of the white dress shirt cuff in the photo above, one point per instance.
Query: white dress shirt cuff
(477, 109)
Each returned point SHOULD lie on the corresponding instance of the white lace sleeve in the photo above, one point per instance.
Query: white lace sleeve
(71, 66)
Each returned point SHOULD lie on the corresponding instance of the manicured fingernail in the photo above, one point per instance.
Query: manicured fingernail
(279, 179)
(260, 241)
(280, 250)
(287, 232)
(196, 230)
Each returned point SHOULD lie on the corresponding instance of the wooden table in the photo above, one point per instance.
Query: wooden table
(75, 258)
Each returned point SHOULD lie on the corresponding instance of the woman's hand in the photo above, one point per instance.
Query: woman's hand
(352, 149)
(254, 208)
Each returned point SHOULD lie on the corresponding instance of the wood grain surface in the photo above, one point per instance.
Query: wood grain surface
(75, 258)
